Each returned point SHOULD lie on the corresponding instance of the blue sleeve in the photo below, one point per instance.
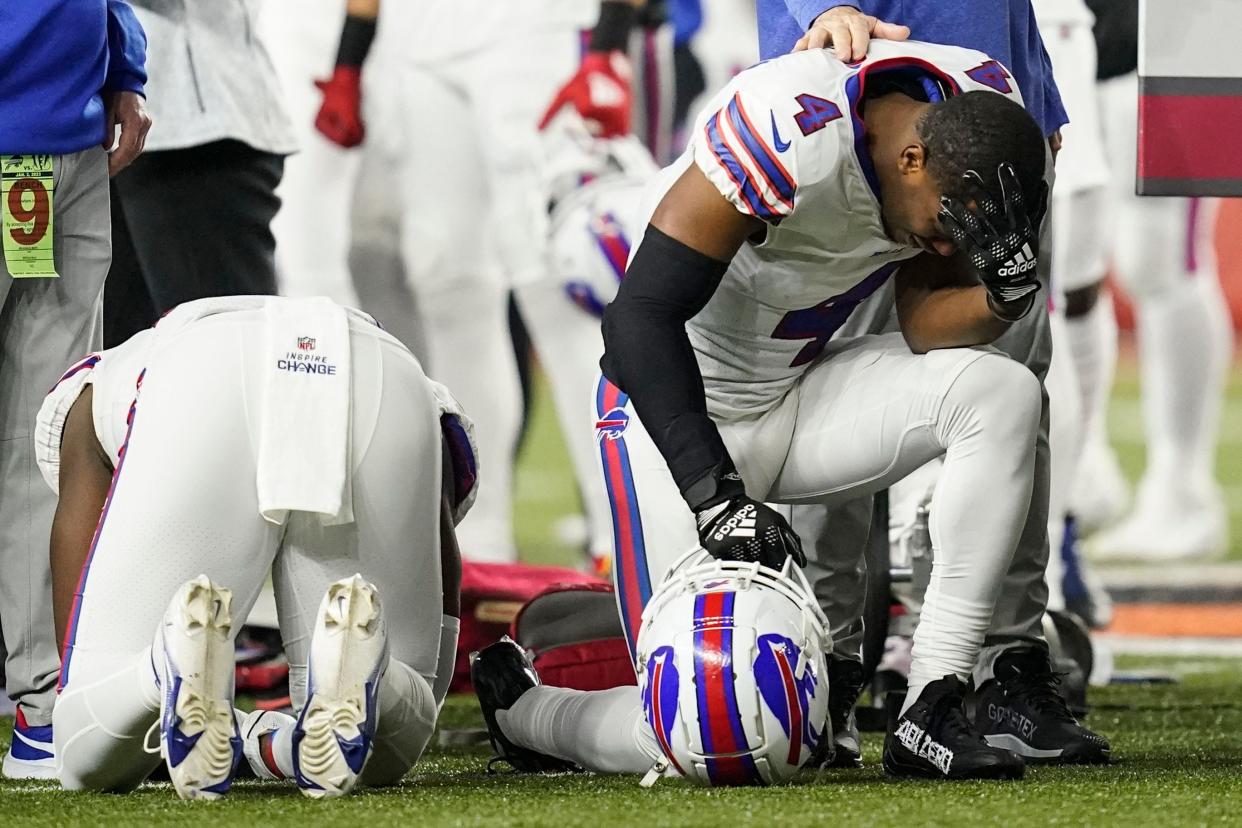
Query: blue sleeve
(805, 11)
(127, 50)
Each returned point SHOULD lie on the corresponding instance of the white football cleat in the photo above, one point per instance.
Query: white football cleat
(193, 658)
(1172, 525)
(348, 657)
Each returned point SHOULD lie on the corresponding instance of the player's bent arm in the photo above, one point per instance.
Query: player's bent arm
(693, 235)
(85, 475)
(450, 553)
(940, 306)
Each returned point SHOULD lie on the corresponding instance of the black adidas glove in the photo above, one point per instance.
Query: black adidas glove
(999, 237)
(742, 529)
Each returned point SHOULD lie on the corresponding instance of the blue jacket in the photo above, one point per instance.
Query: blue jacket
(1003, 29)
(57, 59)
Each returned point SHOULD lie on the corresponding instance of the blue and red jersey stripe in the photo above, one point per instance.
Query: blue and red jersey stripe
(736, 172)
(90, 361)
(774, 173)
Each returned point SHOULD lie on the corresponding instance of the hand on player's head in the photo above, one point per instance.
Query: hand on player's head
(848, 32)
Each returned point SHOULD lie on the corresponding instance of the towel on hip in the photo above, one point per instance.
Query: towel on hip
(304, 435)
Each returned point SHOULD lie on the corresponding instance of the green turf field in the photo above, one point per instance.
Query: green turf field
(1178, 749)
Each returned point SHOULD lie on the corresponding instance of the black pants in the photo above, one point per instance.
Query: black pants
(188, 224)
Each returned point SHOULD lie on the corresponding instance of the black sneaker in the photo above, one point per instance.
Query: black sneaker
(1021, 709)
(501, 673)
(845, 682)
(935, 740)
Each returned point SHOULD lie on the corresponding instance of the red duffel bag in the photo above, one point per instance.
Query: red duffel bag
(574, 634)
(491, 596)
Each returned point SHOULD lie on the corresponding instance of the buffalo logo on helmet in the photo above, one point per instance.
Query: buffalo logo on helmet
(613, 424)
(787, 695)
(660, 699)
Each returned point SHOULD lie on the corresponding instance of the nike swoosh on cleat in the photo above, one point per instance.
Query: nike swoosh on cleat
(354, 750)
(781, 146)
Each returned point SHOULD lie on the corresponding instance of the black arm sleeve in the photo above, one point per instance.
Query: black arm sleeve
(356, 37)
(648, 356)
(612, 31)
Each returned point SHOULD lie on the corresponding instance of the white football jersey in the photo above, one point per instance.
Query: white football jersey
(784, 142)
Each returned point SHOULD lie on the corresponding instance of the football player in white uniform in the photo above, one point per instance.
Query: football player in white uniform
(244, 437)
(808, 184)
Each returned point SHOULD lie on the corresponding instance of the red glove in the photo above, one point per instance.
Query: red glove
(600, 91)
(340, 114)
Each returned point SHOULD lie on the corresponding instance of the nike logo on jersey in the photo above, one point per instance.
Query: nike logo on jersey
(781, 146)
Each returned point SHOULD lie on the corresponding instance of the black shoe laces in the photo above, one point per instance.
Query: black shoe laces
(1038, 688)
(950, 718)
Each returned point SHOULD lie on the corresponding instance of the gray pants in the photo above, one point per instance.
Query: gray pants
(45, 324)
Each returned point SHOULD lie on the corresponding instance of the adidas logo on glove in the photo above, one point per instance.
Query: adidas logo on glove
(1024, 261)
(741, 524)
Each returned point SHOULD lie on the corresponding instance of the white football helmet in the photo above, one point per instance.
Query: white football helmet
(596, 189)
(732, 667)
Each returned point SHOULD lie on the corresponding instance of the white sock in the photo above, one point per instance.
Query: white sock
(100, 729)
(601, 730)
(988, 423)
(1185, 342)
(1092, 340)
(450, 632)
(407, 718)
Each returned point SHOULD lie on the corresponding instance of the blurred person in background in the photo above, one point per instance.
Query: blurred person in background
(312, 225)
(196, 210)
(1163, 254)
(73, 74)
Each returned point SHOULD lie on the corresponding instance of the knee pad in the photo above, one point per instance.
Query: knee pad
(1003, 393)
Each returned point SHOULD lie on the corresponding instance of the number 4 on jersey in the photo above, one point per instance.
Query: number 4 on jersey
(816, 113)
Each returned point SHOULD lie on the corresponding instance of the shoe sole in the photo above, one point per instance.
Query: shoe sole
(15, 768)
(204, 695)
(1075, 755)
(897, 770)
(341, 698)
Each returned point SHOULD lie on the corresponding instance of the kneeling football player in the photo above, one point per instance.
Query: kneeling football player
(243, 438)
(807, 185)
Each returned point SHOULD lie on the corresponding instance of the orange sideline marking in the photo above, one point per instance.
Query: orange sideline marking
(1190, 620)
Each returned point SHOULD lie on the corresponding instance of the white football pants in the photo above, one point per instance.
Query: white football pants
(864, 417)
(183, 502)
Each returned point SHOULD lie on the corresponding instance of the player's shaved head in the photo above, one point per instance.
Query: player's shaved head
(980, 131)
